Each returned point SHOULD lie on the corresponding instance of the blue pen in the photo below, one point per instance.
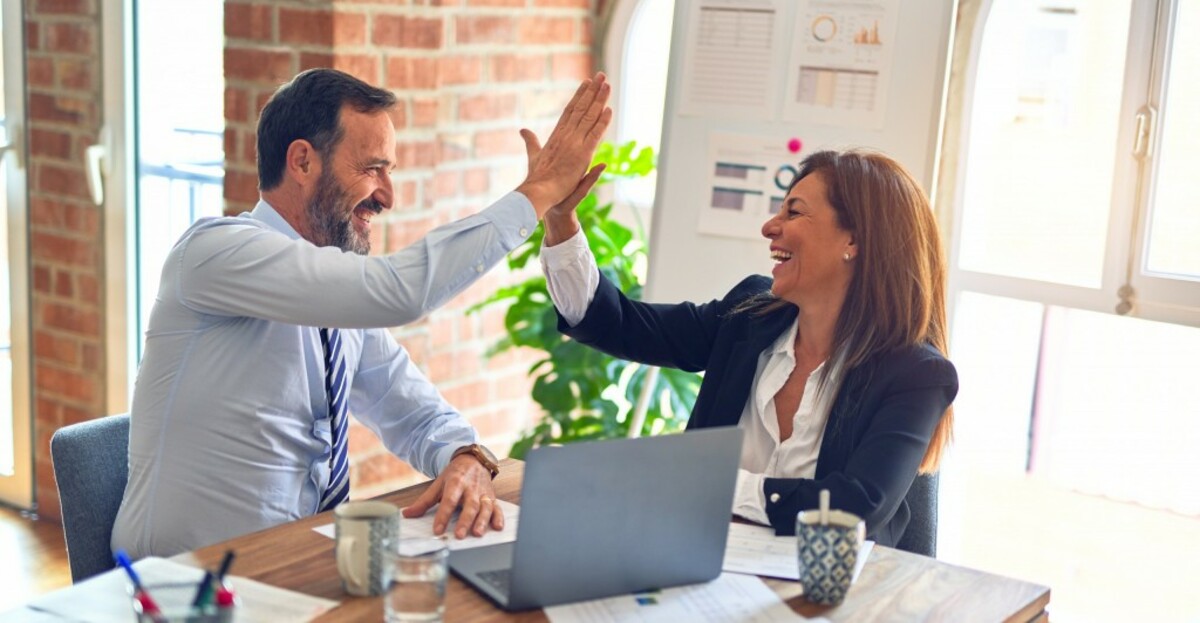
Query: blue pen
(149, 608)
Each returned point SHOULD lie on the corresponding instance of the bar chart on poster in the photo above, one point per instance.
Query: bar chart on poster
(754, 87)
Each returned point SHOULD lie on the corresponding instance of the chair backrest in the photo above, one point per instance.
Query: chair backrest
(921, 535)
(91, 465)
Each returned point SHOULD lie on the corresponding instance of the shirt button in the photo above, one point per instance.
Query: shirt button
(479, 268)
(774, 498)
(524, 231)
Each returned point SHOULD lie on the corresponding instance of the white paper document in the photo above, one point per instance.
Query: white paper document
(841, 62)
(728, 61)
(730, 598)
(755, 550)
(106, 598)
(748, 178)
(423, 526)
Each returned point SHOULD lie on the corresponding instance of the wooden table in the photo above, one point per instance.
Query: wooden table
(894, 585)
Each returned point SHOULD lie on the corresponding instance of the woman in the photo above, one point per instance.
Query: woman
(835, 368)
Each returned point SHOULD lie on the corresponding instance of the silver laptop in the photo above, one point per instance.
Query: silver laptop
(613, 517)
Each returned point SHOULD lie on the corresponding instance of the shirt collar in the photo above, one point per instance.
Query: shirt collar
(267, 214)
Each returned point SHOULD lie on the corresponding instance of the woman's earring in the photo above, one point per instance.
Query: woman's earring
(846, 257)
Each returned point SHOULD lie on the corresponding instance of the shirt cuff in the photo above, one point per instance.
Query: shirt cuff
(749, 501)
(514, 217)
(571, 276)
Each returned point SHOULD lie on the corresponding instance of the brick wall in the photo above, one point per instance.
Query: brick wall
(65, 238)
(469, 74)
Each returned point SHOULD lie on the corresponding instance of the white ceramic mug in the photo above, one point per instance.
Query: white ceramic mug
(364, 532)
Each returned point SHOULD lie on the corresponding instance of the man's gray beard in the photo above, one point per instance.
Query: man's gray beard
(328, 224)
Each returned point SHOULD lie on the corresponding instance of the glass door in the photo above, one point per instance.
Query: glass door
(164, 132)
(16, 463)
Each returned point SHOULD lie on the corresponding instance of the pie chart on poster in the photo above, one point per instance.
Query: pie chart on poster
(824, 28)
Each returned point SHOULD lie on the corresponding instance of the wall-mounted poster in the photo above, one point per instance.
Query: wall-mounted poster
(748, 177)
(729, 62)
(841, 62)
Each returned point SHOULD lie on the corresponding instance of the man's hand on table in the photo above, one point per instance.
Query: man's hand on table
(467, 483)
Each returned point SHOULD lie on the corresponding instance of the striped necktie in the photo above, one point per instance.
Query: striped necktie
(335, 391)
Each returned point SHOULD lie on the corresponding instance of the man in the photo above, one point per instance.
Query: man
(270, 326)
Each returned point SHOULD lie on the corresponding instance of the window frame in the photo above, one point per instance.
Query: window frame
(1123, 265)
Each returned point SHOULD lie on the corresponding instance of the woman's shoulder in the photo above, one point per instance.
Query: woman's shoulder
(920, 363)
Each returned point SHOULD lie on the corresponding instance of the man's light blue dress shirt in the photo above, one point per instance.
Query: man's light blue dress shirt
(230, 425)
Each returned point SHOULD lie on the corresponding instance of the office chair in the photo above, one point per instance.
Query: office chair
(91, 465)
(921, 535)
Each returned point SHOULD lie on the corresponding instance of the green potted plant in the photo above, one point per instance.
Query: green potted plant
(585, 394)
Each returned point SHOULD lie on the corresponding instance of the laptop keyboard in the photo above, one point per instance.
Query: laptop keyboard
(497, 579)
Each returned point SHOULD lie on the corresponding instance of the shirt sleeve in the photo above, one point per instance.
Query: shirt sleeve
(571, 276)
(243, 269)
(394, 399)
(749, 501)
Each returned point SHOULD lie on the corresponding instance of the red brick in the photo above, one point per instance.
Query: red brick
(49, 143)
(565, 65)
(70, 38)
(447, 184)
(39, 71)
(76, 74)
(490, 143)
(424, 113)
(420, 154)
(513, 68)
(249, 21)
(61, 109)
(89, 289)
(467, 395)
(508, 3)
(91, 357)
(411, 73)
(476, 181)
(33, 40)
(68, 181)
(63, 250)
(587, 32)
(380, 470)
(64, 286)
(259, 65)
(41, 279)
(309, 60)
(403, 233)
(64, 7)
(407, 32)
(50, 347)
(546, 30)
(361, 440)
(365, 67)
(484, 29)
(237, 104)
(306, 27)
(459, 70)
(71, 385)
(487, 107)
(349, 29)
(241, 186)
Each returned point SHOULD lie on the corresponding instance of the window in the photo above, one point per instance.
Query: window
(1075, 298)
(164, 155)
(636, 55)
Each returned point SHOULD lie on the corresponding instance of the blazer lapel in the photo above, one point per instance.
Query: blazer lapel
(757, 334)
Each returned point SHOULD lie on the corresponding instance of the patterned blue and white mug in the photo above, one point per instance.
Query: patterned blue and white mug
(827, 554)
(364, 532)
